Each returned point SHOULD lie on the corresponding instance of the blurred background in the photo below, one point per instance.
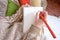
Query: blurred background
(53, 7)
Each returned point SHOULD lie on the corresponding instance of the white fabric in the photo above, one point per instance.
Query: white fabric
(3, 7)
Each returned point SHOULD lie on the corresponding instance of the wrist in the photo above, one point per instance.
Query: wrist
(38, 25)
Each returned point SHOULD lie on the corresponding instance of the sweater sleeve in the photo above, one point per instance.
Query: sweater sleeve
(15, 17)
(32, 33)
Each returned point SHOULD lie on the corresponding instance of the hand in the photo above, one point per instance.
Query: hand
(38, 21)
(26, 5)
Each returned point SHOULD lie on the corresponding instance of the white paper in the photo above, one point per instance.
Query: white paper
(29, 14)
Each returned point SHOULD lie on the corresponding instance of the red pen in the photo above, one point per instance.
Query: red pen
(52, 33)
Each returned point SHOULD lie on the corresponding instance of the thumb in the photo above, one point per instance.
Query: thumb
(45, 14)
(37, 15)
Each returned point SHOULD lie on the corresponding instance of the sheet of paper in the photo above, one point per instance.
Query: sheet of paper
(29, 14)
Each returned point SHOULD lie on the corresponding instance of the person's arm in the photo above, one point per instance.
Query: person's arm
(35, 29)
(18, 16)
(15, 17)
(32, 33)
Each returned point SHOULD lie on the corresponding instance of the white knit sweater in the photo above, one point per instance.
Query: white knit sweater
(12, 29)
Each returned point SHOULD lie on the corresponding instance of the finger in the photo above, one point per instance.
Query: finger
(41, 13)
(45, 14)
(37, 15)
(27, 5)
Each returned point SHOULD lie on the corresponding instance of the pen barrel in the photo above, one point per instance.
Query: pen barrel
(52, 33)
